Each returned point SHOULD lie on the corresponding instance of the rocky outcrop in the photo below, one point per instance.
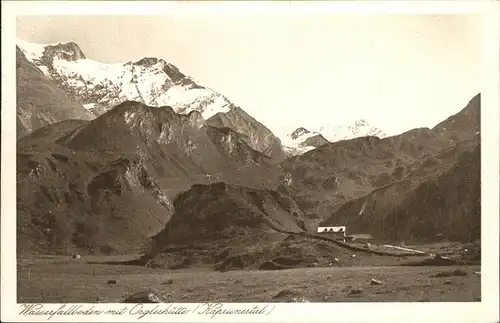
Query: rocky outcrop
(257, 135)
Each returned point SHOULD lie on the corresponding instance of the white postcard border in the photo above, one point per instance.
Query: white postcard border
(484, 311)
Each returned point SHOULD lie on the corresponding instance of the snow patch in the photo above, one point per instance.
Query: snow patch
(220, 105)
(89, 106)
(294, 151)
(129, 116)
(293, 141)
(44, 70)
(288, 138)
(31, 51)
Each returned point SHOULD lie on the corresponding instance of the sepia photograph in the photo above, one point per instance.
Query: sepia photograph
(321, 157)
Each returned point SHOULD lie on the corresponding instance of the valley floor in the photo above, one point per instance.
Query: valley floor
(51, 279)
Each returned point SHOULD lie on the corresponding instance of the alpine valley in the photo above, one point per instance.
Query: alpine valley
(137, 159)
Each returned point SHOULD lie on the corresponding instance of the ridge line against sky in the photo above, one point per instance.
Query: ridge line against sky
(312, 70)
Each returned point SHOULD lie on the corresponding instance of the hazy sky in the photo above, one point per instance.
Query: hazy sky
(397, 72)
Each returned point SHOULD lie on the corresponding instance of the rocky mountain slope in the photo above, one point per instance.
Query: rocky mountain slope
(407, 187)
(441, 196)
(256, 134)
(105, 185)
(152, 81)
(40, 101)
(463, 125)
(324, 179)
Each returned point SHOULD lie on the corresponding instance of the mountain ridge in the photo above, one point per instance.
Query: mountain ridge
(101, 86)
(121, 170)
(82, 183)
(323, 179)
(415, 208)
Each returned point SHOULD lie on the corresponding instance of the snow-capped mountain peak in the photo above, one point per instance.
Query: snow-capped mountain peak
(101, 86)
(299, 132)
(69, 51)
(359, 128)
(302, 140)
